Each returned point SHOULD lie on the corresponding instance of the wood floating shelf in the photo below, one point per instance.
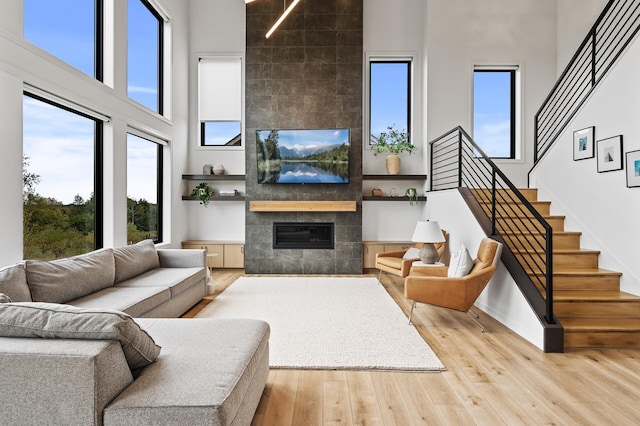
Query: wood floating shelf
(213, 177)
(302, 206)
(216, 198)
(394, 177)
(387, 198)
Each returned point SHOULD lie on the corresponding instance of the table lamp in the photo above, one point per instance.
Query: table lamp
(428, 232)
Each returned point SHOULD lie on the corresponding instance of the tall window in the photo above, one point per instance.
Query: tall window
(62, 180)
(389, 96)
(144, 189)
(494, 111)
(68, 29)
(220, 101)
(144, 60)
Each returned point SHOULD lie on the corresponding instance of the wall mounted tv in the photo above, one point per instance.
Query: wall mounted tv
(303, 156)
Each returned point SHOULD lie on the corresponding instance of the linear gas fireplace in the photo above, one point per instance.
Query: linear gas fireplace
(303, 235)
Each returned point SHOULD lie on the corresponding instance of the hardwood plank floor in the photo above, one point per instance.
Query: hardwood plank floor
(492, 378)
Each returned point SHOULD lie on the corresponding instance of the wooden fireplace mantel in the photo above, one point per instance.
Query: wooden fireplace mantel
(302, 206)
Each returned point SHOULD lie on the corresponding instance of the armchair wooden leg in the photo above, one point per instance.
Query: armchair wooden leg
(379, 277)
(413, 305)
(475, 319)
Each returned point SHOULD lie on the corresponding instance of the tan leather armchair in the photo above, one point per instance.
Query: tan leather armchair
(434, 287)
(393, 262)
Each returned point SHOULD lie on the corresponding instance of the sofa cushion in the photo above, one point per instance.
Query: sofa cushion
(50, 320)
(412, 253)
(177, 279)
(13, 283)
(211, 371)
(133, 301)
(58, 281)
(135, 259)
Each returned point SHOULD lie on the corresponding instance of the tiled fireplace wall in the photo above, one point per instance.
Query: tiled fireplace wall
(308, 75)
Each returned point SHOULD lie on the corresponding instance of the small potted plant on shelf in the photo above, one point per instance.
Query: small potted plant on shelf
(412, 195)
(203, 192)
(393, 142)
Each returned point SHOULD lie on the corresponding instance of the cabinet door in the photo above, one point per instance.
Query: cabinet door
(234, 255)
(398, 246)
(369, 251)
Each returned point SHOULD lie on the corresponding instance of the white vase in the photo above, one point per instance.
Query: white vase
(218, 169)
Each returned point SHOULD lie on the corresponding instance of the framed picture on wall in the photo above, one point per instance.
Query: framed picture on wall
(609, 154)
(583, 143)
(633, 169)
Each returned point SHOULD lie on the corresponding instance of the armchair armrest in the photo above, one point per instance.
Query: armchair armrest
(397, 253)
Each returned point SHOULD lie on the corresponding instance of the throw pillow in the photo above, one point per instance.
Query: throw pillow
(135, 259)
(63, 280)
(412, 253)
(13, 283)
(53, 321)
(460, 263)
(4, 298)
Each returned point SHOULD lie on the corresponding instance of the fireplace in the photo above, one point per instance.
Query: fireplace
(303, 235)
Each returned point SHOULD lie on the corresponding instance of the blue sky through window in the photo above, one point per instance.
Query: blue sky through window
(389, 96)
(64, 28)
(492, 112)
(143, 50)
(60, 147)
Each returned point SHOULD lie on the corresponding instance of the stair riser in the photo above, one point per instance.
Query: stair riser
(531, 194)
(512, 209)
(560, 241)
(587, 309)
(587, 283)
(511, 225)
(565, 261)
(605, 339)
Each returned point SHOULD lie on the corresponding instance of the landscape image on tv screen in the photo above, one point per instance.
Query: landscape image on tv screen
(303, 156)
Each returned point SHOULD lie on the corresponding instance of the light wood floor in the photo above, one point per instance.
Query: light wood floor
(492, 378)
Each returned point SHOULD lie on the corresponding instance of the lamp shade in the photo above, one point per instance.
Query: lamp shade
(428, 232)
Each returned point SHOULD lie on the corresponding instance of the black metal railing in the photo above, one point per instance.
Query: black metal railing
(612, 32)
(458, 162)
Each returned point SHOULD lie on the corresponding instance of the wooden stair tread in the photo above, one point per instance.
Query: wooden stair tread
(593, 296)
(509, 232)
(581, 324)
(578, 272)
(579, 251)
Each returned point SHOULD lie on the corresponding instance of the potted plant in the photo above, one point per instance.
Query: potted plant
(412, 194)
(203, 192)
(392, 142)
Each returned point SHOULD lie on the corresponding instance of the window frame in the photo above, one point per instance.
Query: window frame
(514, 104)
(160, 146)
(402, 58)
(98, 156)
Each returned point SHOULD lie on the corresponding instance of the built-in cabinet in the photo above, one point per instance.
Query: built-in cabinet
(370, 248)
(220, 254)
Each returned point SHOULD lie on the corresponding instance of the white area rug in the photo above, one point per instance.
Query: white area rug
(327, 323)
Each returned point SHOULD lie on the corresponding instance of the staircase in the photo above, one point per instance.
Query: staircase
(587, 300)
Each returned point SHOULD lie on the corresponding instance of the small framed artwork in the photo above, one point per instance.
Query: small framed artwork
(609, 154)
(583, 143)
(633, 169)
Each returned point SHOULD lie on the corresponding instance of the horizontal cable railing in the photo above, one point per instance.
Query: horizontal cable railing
(458, 162)
(612, 32)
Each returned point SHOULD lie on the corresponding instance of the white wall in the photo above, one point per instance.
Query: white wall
(502, 298)
(461, 33)
(215, 28)
(599, 204)
(575, 19)
(21, 62)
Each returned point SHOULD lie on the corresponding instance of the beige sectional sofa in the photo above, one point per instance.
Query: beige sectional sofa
(73, 354)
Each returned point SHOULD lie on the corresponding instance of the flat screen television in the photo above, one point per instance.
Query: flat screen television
(303, 156)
